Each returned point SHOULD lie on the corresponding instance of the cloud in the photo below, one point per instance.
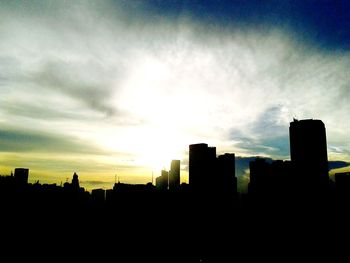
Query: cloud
(56, 50)
(267, 135)
(31, 110)
(9, 69)
(13, 140)
(68, 79)
(94, 183)
(337, 164)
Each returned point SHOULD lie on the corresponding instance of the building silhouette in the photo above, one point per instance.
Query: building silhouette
(202, 161)
(98, 195)
(342, 183)
(21, 176)
(259, 177)
(132, 188)
(271, 178)
(75, 182)
(308, 149)
(226, 179)
(109, 196)
(162, 181)
(174, 175)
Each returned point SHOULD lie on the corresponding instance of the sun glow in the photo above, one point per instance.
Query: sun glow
(169, 121)
(156, 147)
(162, 134)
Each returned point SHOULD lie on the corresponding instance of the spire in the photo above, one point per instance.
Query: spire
(75, 181)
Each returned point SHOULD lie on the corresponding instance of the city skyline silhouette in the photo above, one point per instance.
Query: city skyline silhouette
(199, 213)
(308, 145)
(167, 177)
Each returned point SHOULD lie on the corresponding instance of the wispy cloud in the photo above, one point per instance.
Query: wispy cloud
(80, 82)
(13, 140)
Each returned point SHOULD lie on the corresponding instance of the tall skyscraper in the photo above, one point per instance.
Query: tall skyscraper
(174, 175)
(308, 149)
(202, 160)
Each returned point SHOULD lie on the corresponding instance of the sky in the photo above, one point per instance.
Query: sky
(114, 90)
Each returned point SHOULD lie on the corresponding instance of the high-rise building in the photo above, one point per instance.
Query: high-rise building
(226, 179)
(21, 175)
(308, 149)
(202, 160)
(174, 175)
(162, 181)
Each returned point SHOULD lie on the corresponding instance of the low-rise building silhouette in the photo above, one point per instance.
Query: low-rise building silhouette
(98, 195)
(21, 176)
(271, 178)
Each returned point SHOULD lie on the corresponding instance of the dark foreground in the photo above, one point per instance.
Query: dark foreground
(175, 227)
